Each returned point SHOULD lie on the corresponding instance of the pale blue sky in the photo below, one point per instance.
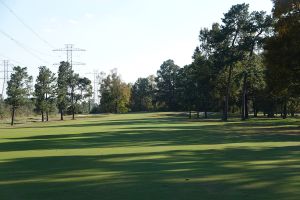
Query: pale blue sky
(135, 36)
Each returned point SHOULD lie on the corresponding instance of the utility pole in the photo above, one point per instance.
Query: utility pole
(69, 49)
(5, 76)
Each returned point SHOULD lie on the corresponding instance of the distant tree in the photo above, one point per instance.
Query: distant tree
(255, 84)
(63, 79)
(18, 89)
(203, 78)
(73, 83)
(209, 61)
(84, 91)
(166, 84)
(45, 91)
(294, 106)
(2, 108)
(106, 98)
(187, 89)
(142, 93)
(153, 86)
(114, 94)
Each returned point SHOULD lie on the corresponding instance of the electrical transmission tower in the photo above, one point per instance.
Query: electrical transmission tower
(97, 79)
(5, 76)
(69, 49)
(95, 73)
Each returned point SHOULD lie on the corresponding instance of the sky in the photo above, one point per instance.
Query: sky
(134, 36)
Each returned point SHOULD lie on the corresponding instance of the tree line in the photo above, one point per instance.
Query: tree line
(64, 93)
(248, 63)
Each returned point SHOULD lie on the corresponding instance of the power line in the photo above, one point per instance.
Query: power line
(15, 61)
(26, 25)
(23, 46)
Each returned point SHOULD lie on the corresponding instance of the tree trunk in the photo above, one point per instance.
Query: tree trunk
(89, 105)
(198, 114)
(292, 114)
(61, 114)
(244, 101)
(47, 116)
(271, 114)
(73, 112)
(47, 107)
(42, 116)
(13, 116)
(247, 107)
(72, 103)
(284, 115)
(255, 112)
(226, 100)
(116, 109)
(190, 114)
(205, 114)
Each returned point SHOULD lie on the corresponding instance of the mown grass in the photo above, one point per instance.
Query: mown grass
(150, 156)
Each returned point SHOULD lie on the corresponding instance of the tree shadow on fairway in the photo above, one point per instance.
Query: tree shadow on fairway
(144, 135)
(152, 136)
(231, 173)
(106, 122)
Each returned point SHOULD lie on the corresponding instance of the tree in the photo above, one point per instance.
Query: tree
(142, 93)
(114, 94)
(64, 73)
(255, 84)
(234, 23)
(294, 106)
(166, 84)
(18, 89)
(209, 61)
(203, 78)
(257, 27)
(73, 83)
(45, 91)
(282, 52)
(222, 46)
(3, 108)
(186, 88)
(84, 91)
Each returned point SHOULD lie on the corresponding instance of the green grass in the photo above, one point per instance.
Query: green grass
(150, 156)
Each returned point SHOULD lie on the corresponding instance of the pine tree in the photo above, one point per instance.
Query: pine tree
(45, 91)
(64, 73)
(18, 89)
